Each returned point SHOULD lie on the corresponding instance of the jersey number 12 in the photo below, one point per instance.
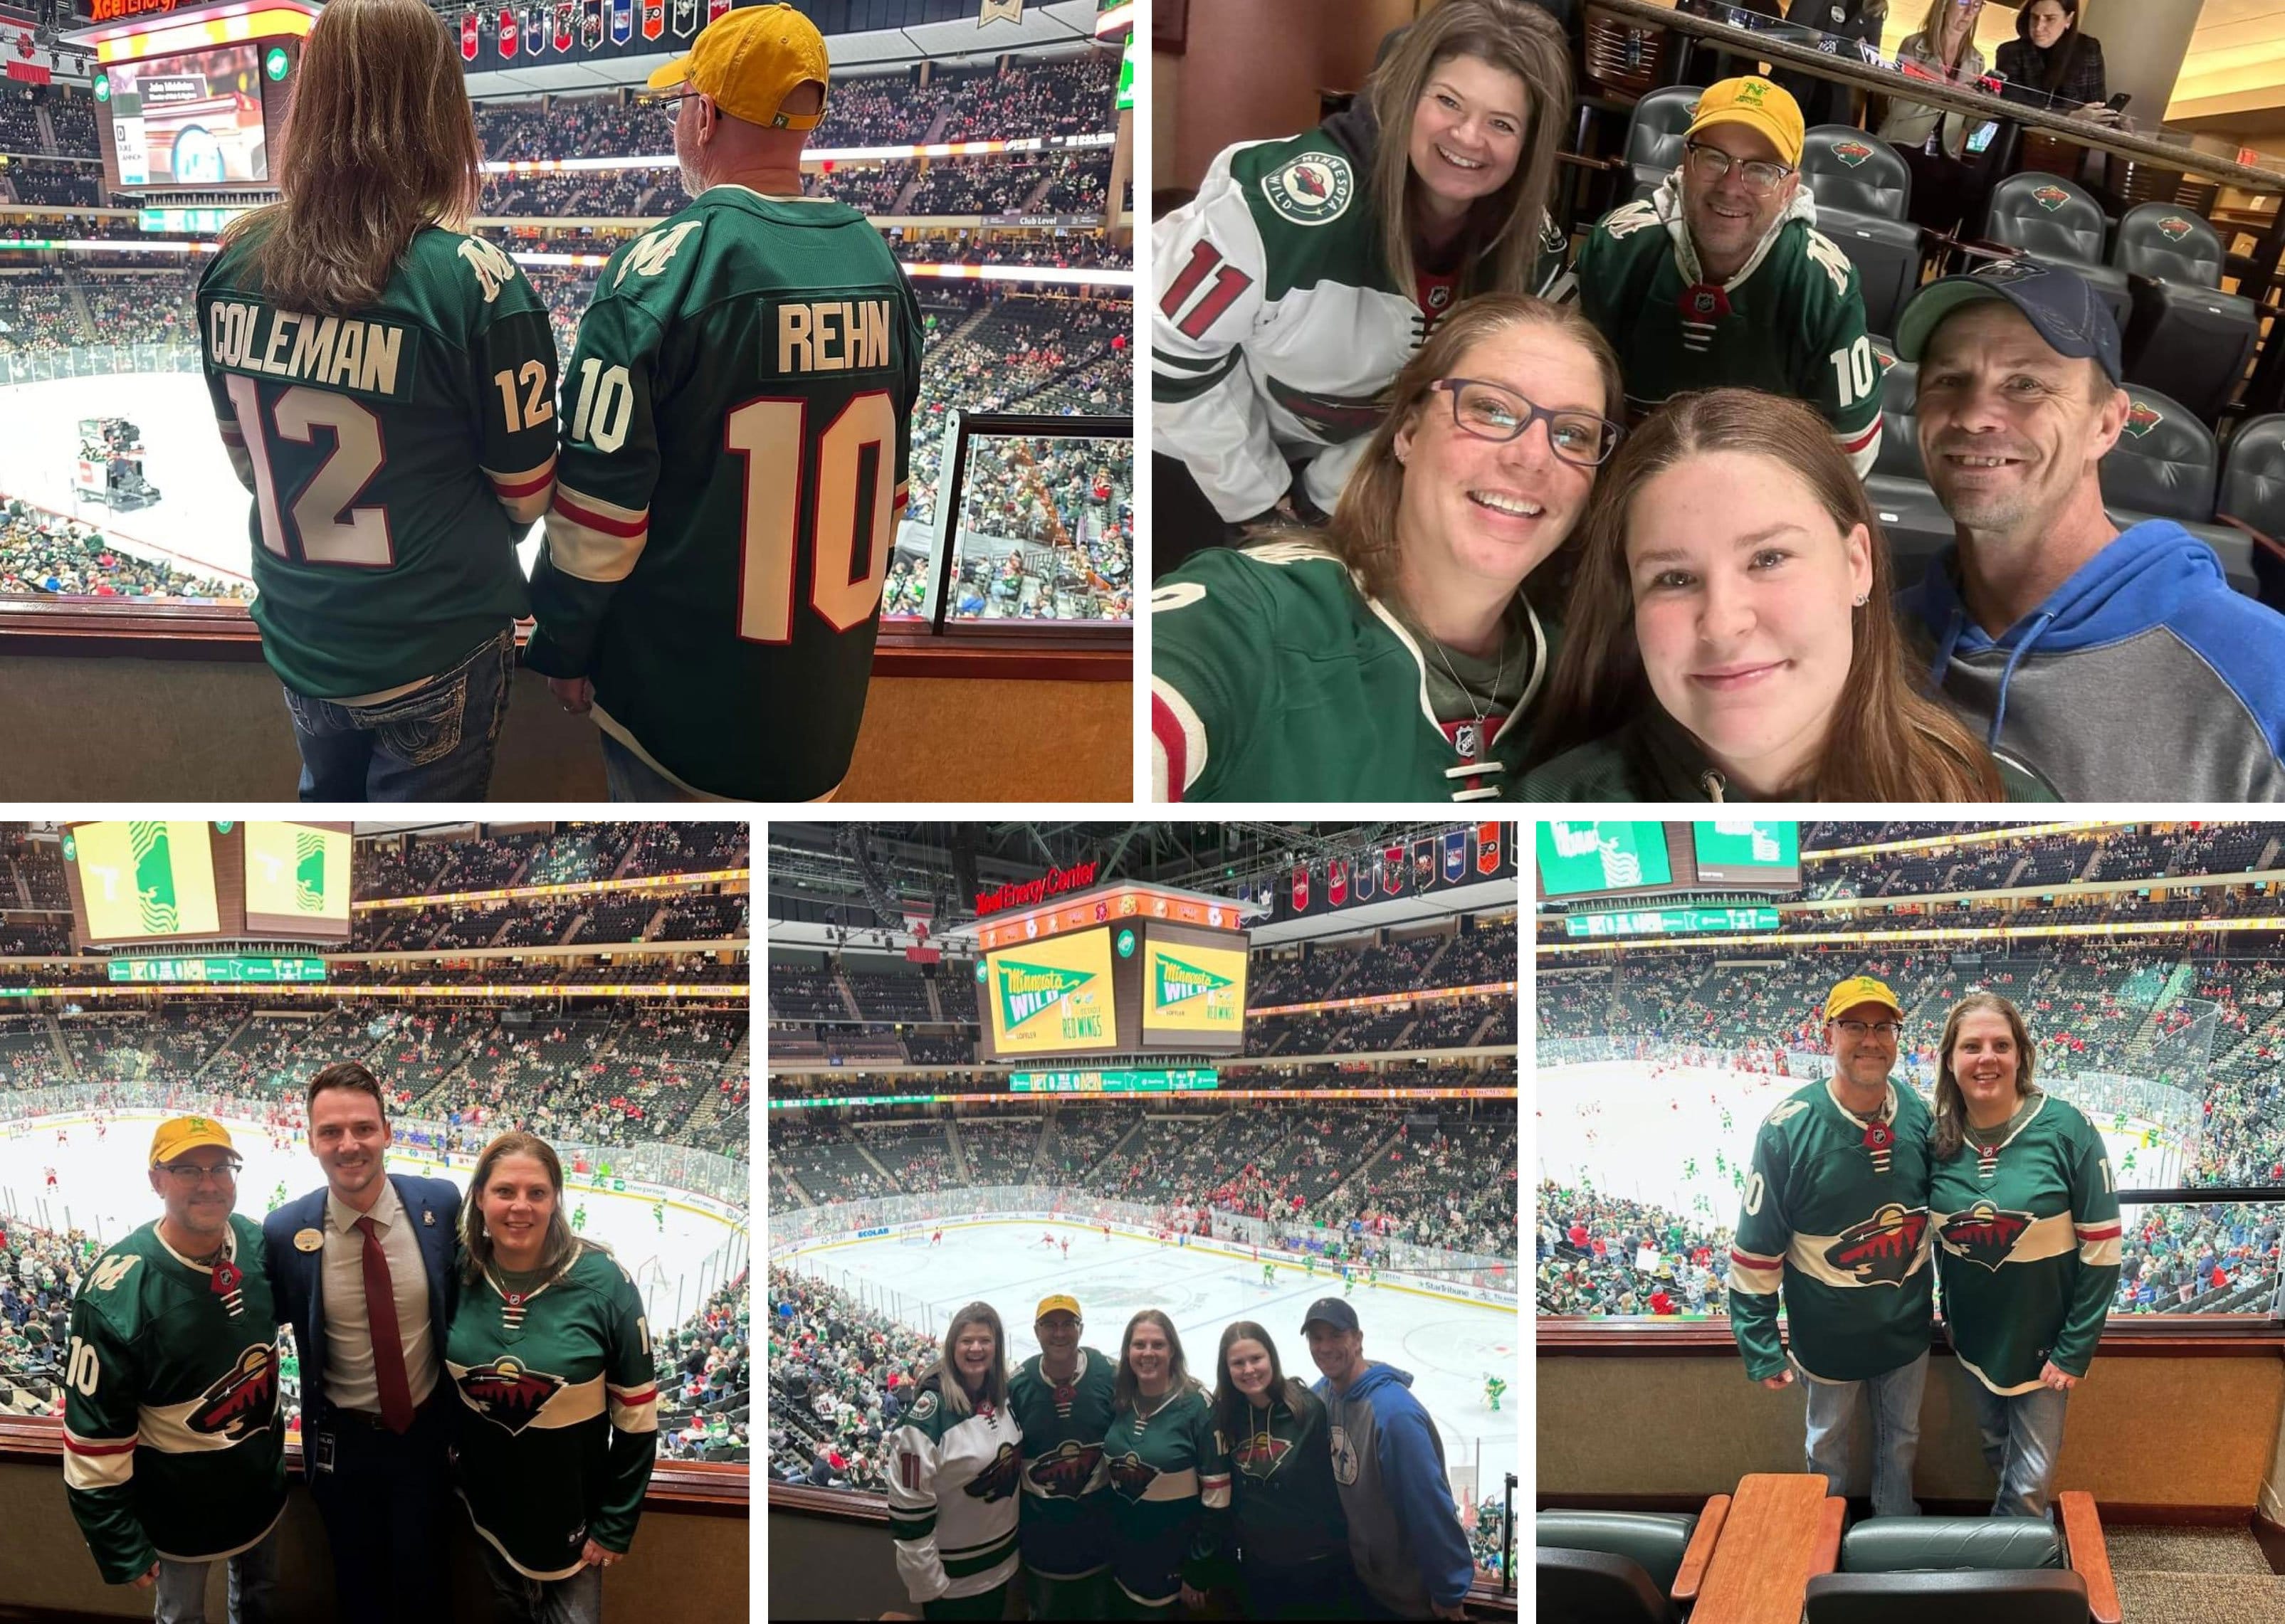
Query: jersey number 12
(328, 529)
(770, 437)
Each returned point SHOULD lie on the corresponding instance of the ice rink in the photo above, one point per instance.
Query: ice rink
(1449, 1347)
(200, 522)
(102, 1187)
(1681, 1136)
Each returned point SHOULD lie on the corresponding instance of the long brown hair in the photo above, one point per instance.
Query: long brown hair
(2056, 61)
(1503, 229)
(1951, 1103)
(1363, 527)
(949, 1387)
(1232, 1407)
(1124, 1387)
(562, 1247)
(1886, 741)
(379, 143)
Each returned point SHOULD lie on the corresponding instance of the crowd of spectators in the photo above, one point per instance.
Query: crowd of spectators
(705, 1380)
(48, 555)
(840, 1374)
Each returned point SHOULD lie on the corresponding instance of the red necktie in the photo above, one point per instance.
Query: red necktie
(388, 1347)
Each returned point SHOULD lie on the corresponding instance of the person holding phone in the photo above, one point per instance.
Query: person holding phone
(2052, 53)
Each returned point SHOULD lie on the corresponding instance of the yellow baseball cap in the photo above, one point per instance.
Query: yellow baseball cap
(750, 60)
(1052, 1305)
(1860, 990)
(177, 1134)
(1752, 101)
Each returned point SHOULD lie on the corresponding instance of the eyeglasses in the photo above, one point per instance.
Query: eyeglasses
(1494, 411)
(1878, 1029)
(191, 1173)
(669, 102)
(1711, 164)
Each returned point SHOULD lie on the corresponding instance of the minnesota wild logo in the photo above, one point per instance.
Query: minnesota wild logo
(1131, 1476)
(1984, 1234)
(2051, 198)
(1174, 982)
(243, 1400)
(1852, 152)
(1067, 1473)
(997, 1480)
(1313, 189)
(2175, 228)
(2142, 417)
(1879, 1250)
(1031, 990)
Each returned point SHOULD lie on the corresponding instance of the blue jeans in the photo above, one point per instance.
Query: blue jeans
(433, 744)
(576, 1600)
(1894, 1398)
(2022, 1434)
(630, 778)
(180, 1593)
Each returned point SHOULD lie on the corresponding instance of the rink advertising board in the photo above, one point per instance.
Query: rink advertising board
(297, 880)
(1050, 996)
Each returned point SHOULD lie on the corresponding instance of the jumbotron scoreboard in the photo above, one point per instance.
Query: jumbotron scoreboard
(166, 882)
(190, 99)
(1115, 972)
(1580, 859)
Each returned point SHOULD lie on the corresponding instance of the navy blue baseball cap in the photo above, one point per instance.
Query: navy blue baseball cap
(2067, 312)
(1333, 1312)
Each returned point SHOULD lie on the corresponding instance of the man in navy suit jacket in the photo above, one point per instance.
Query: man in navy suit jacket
(363, 1269)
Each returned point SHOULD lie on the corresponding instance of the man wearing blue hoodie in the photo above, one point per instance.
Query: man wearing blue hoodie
(2119, 666)
(1389, 1465)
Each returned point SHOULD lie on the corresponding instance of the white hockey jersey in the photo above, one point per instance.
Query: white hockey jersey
(953, 1493)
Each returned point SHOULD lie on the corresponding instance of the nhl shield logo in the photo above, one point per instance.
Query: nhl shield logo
(1881, 1250)
(1439, 296)
(2051, 198)
(2175, 227)
(243, 1400)
(2142, 418)
(1852, 152)
(1312, 190)
(1984, 1234)
(1464, 741)
(508, 1392)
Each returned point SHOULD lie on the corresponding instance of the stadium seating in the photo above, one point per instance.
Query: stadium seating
(2186, 339)
(1610, 1566)
(1980, 1570)
(2252, 497)
(1654, 134)
(2057, 222)
(1912, 519)
(2165, 466)
(1863, 197)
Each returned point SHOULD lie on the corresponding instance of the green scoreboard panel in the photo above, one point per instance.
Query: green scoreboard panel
(240, 968)
(1577, 857)
(1670, 921)
(1747, 851)
(1113, 1082)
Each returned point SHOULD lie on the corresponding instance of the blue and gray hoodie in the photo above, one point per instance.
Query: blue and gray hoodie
(1388, 1463)
(2143, 678)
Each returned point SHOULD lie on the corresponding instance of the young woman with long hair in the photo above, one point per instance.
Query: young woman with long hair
(1394, 653)
(954, 1459)
(1292, 1535)
(384, 384)
(2052, 52)
(551, 1357)
(1730, 635)
(1298, 282)
(2025, 1213)
(1169, 1476)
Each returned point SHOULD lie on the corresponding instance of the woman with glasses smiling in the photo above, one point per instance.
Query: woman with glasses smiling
(1730, 638)
(1395, 655)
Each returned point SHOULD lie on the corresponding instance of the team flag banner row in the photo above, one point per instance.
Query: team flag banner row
(1437, 861)
(579, 25)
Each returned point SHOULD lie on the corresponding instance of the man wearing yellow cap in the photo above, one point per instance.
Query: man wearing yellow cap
(1061, 1397)
(173, 1441)
(1835, 1225)
(735, 430)
(1720, 279)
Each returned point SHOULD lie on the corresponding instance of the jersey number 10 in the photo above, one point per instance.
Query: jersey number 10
(770, 437)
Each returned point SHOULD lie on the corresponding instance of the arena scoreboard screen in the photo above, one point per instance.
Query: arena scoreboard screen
(1115, 972)
(1580, 859)
(194, 97)
(167, 882)
(1670, 921)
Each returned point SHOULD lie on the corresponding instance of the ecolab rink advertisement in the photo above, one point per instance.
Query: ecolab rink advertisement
(1192, 989)
(1051, 996)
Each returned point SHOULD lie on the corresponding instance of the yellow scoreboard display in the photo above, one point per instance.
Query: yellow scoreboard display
(1192, 989)
(142, 880)
(1052, 996)
(297, 879)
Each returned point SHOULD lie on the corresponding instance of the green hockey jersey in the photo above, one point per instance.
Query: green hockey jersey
(395, 455)
(1791, 322)
(1277, 323)
(2027, 1247)
(954, 1494)
(559, 1412)
(1170, 1485)
(1066, 1516)
(1274, 677)
(173, 1442)
(737, 425)
(1836, 1221)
